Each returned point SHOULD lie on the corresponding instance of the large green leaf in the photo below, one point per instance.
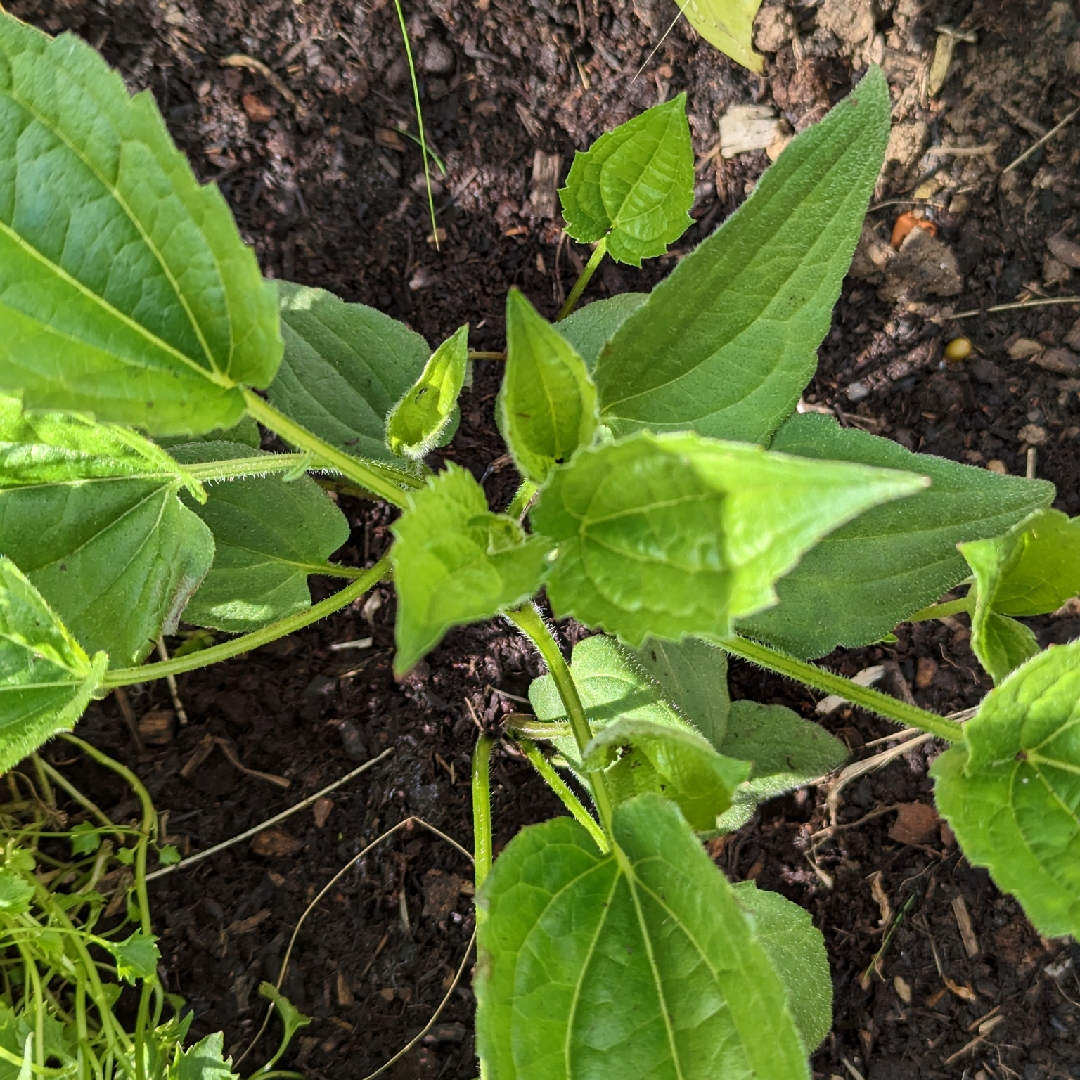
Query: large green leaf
(125, 290)
(46, 678)
(1011, 790)
(547, 403)
(856, 585)
(727, 24)
(345, 367)
(726, 344)
(784, 752)
(455, 562)
(676, 534)
(590, 328)
(269, 535)
(634, 185)
(90, 514)
(637, 963)
(420, 419)
(639, 756)
(797, 951)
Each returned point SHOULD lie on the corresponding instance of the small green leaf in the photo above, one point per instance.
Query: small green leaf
(729, 25)
(455, 562)
(204, 1061)
(126, 290)
(1011, 790)
(168, 855)
(85, 839)
(858, 583)
(639, 756)
(15, 894)
(675, 534)
(547, 404)
(136, 956)
(728, 341)
(292, 1019)
(46, 679)
(639, 962)
(634, 185)
(591, 327)
(345, 367)
(417, 422)
(797, 951)
(784, 751)
(261, 558)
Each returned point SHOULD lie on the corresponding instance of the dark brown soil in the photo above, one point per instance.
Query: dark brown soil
(328, 193)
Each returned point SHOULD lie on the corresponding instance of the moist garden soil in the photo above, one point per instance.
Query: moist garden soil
(301, 111)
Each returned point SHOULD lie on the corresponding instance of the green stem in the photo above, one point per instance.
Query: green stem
(473, 355)
(942, 611)
(566, 796)
(481, 809)
(529, 621)
(583, 279)
(246, 642)
(522, 497)
(863, 696)
(236, 468)
(380, 480)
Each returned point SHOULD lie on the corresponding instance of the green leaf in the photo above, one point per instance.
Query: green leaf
(693, 676)
(729, 25)
(590, 328)
(125, 290)
(639, 756)
(168, 855)
(261, 558)
(455, 562)
(856, 585)
(46, 679)
(15, 894)
(797, 951)
(675, 535)
(245, 432)
(727, 342)
(204, 1061)
(136, 956)
(419, 420)
(784, 751)
(634, 185)
(1011, 790)
(90, 514)
(547, 403)
(85, 839)
(345, 368)
(639, 962)
(292, 1019)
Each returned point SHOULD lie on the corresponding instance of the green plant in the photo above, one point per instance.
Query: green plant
(672, 496)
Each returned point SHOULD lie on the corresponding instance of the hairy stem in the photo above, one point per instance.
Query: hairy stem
(942, 611)
(379, 479)
(481, 809)
(529, 621)
(562, 789)
(237, 468)
(584, 278)
(521, 500)
(863, 696)
(246, 642)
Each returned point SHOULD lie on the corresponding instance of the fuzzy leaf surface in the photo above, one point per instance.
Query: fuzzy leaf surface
(345, 367)
(856, 585)
(729, 25)
(639, 756)
(420, 418)
(455, 562)
(261, 558)
(727, 342)
(46, 678)
(591, 327)
(547, 403)
(634, 185)
(673, 535)
(125, 290)
(784, 752)
(1011, 790)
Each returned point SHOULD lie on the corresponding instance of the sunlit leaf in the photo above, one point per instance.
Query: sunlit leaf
(727, 24)
(136, 956)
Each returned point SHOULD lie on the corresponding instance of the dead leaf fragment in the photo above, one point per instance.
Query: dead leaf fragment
(257, 111)
(389, 138)
(322, 810)
(275, 842)
(903, 989)
(156, 727)
(747, 127)
(916, 823)
(1025, 348)
(963, 922)
(1065, 251)
(1060, 361)
(245, 926)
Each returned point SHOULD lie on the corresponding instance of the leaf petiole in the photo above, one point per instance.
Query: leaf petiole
(238, 468)
(566, 796)
(481, 809)
(584, 278)
(942, 611)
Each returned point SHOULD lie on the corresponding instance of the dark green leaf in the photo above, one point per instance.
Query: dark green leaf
(590, 328)
(675, 534)
(245, 432)
(46, 679)
(126, 290)
(726, 344)
(419, 420)
(455, 562)
(136, 956)
(856, 585)
(345, 367)
(1011, 790)
(262, 559)
(729, 25)
(634, 185)
(639, 962)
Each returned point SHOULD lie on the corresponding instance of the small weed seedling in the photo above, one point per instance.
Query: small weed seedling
(673, 497)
